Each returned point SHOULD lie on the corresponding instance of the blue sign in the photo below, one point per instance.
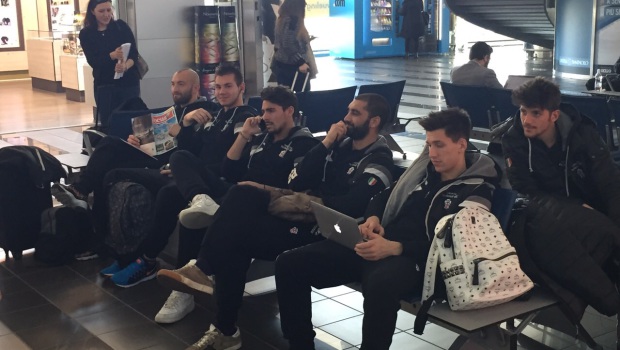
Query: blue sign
(573, 36)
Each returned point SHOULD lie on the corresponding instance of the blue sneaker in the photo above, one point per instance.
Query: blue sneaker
(136, 272)
(111, 270)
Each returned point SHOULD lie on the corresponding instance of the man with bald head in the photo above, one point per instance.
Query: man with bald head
(111, 152)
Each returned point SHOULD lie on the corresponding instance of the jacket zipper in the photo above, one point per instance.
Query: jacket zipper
(478, 260)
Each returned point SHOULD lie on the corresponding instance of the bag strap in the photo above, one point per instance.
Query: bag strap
(431, 269)
(422, 316)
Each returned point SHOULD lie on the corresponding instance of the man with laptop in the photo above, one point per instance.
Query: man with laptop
(349, 166)
(476, 71)
(395, 237)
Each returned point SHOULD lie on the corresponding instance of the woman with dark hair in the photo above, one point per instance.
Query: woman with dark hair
(413, 25)
(292, 45)
(101, 41)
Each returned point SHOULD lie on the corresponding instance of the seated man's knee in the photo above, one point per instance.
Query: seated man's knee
(180, 156)
(288, 263)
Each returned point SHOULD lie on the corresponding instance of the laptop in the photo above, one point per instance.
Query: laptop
(515, 81)
(337, 226)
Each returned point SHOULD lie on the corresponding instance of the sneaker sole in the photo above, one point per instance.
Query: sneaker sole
(195, 220)
(172, 318)
(144, 279)
(174, 281)
(87, 257)
(67, 198)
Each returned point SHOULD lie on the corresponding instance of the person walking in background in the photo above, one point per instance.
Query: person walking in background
(413, 26)
(292, 44)
(101, 40)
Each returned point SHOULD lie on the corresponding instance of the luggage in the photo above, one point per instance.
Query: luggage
(65, 232)
(130, 210)
(26, 173)
(477, 264)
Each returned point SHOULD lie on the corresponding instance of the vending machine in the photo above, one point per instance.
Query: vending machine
(365, 29)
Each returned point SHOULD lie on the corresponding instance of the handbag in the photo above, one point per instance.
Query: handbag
(293, 206)
(142, 66)
(478, 266)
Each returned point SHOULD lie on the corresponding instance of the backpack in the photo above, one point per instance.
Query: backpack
(130, 210)
(478, 265)
(64, 232)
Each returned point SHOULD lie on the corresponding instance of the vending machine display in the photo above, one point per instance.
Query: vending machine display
(366, 29)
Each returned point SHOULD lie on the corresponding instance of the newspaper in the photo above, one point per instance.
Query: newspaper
(153, 131)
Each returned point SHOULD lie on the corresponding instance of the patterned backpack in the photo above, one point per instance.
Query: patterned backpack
(478, 265)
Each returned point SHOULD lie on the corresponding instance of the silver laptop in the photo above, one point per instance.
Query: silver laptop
(337, 226)
(515, 81)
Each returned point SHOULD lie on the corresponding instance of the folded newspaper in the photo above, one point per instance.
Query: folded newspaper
(153, 131)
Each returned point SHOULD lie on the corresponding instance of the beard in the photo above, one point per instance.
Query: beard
(358, 132)
(182, 99)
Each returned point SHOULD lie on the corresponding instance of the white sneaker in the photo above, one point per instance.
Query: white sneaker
(214, 339)
(200, 212)
(176, 307)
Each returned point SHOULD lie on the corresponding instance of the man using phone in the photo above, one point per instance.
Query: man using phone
(344, 171)
(398, 231)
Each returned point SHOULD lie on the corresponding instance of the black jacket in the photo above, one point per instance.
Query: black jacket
(589, 176)
(39, 166)
(211, 142)
(268, 162)
(97, 47)
(567, 243)
(476, 185)
(344, 178)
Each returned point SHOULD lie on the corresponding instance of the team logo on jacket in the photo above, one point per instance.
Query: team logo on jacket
(446, 203)
(285, 149)
(294, 230)
(372, 181)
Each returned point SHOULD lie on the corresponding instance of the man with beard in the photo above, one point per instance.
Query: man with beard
(204, 135)
(344, 172)
(397, 233)
(112, 153)
(476, 71)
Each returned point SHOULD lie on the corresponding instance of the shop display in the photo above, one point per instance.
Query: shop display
(215, 40)
(228, 25)
(11, 35)
(62, 15)
(207, 35)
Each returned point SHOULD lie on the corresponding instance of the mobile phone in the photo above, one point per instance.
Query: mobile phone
(262, 125)
(165, 167)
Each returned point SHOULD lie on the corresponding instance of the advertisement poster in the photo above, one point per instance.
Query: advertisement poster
(607, 38)
(574, 30)
(11, 33)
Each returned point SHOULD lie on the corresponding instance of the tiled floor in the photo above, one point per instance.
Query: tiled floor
(72, 307)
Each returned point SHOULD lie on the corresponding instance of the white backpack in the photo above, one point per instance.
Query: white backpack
(479, 266)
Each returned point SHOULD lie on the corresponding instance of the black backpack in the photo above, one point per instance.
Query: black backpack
(130, 210)
(64, 232)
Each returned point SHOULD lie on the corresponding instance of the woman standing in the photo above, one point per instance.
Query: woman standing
(292, 45)
(101, 40)
(413, 25)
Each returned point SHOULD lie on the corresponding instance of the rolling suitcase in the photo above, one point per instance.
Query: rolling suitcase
(25, 176)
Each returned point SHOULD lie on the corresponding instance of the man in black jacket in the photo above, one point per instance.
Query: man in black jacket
(343, 172)
(112, 152)
(204, 135)
(555, 156)
(397, 232)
